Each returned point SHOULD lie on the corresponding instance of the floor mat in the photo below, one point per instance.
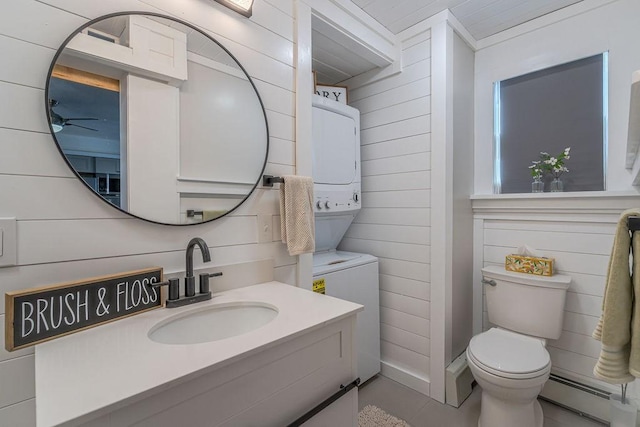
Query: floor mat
(372, 416)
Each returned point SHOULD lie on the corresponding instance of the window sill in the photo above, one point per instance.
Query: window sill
(599, 206)
(559, 195)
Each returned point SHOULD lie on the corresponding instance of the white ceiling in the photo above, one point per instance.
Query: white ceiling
(482, 18)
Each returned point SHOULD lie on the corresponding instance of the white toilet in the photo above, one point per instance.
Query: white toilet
(510, 361)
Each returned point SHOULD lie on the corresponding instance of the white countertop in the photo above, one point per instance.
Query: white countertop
(90, 373)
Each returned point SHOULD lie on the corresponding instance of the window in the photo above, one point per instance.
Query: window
(549, 110)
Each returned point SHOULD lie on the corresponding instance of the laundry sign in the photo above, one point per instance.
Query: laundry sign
(335, 93)
(41, 314)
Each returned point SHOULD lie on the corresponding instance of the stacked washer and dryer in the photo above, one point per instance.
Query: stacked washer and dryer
(336, 174)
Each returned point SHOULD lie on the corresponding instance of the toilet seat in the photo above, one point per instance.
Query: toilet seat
(509, 355)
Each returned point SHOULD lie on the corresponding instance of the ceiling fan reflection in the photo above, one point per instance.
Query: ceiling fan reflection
(58, 122)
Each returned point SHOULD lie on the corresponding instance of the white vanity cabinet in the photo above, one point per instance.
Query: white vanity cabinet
(115, 376)
(272, 388)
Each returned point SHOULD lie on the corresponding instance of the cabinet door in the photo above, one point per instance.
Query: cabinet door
(105, 165)
(82, 163)
(270, 388)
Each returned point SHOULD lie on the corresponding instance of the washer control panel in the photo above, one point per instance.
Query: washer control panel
(337, 201)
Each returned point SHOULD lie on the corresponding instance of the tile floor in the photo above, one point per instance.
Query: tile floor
(421, 411)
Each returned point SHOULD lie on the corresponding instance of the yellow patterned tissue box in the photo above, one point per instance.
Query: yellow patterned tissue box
(529, 264)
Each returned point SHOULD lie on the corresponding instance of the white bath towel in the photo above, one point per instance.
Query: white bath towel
(296, 214)
(619, 325)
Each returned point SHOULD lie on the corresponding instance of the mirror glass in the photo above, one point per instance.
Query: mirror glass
(157, 118)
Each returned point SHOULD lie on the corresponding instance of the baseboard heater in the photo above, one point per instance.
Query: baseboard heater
(585, 400)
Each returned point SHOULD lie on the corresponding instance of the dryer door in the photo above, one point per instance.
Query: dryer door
(334, 148)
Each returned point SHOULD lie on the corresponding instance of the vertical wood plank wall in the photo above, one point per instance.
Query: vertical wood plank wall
(394, 223)
(66, 233)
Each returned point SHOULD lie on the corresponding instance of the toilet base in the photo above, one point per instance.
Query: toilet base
(496, 412)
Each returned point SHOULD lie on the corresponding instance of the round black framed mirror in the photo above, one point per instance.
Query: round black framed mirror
(157, 118)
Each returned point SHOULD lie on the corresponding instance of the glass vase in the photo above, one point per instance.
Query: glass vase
(556, 185)
(537, 186)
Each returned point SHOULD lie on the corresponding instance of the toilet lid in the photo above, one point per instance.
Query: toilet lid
(509, 353)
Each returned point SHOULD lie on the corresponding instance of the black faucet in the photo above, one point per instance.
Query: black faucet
(189, 280)
(190, 296)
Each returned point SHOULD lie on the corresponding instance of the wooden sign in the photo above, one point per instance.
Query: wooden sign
(41, 314)
(335, 93)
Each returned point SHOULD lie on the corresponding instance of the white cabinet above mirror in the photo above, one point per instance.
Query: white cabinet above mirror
(157, 118)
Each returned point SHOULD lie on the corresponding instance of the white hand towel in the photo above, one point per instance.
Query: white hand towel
(296, 214)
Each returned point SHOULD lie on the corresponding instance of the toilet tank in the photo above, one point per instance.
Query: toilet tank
(526, 303)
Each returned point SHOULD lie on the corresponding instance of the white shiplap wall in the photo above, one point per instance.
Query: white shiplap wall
(394, 223)
(64, 232)
(578, 234)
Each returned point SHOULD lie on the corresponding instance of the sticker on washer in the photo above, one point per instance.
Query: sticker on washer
(318, 286)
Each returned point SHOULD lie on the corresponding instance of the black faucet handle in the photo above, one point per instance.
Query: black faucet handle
(204, 281)
(173, 285)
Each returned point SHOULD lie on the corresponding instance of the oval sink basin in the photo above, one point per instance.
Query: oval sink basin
(212, 323)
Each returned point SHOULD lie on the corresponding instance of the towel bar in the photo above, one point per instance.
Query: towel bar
(269, 180)
(191, 213)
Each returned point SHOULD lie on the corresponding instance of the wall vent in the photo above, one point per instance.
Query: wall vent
(458, 381)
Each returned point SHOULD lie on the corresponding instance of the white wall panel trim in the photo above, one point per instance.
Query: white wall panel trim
(303, 86)
(441, 196)
(588, 206)
(428, 24)
(478, 263)
(411, 380)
